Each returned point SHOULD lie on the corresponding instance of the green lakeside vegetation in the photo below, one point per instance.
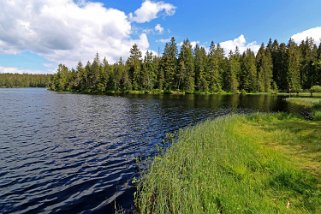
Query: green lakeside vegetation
(312, 105)
(258, 163)
(276, 67)
(8, 80)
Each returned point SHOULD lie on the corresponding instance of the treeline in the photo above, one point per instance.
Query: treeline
(8, 80)
(276, 66)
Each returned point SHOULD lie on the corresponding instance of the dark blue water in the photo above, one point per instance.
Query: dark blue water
(70, 153)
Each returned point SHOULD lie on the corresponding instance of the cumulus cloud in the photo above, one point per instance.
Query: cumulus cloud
(314, 33)
(65, 31)
(158, 28)
(150, 10)
(14, 70)
(241, 43)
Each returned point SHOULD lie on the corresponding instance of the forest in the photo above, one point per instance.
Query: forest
(8, 80)
(275, 67)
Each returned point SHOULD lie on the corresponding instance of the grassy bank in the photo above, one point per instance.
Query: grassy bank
(312, 105)
(261, 163)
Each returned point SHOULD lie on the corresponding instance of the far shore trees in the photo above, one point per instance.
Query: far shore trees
(277, 66)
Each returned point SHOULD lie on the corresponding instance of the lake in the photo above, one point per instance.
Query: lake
(72, 153)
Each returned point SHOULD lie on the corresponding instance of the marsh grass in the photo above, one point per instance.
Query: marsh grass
(237, 164)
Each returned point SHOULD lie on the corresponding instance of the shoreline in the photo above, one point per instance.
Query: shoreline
(174, 92)
(262, 162)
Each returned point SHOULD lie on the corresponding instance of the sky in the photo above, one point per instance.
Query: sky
(37, 35)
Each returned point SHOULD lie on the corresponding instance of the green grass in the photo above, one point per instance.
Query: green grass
(261, 163)
(312, 104)
(301, 94)
(305, 102)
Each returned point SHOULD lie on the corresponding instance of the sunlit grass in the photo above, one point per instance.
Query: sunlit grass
(306, 102)
(312, 104)
(238, 164)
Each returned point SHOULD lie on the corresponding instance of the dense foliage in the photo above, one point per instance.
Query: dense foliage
(286, 67)
(24, 80)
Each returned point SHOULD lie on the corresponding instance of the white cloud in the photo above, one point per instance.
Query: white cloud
(314, 33)
(158, 28)
(63, 31)
(14, 70)
(150, 10)
(241, 43)
(166, 40)
(194, 43)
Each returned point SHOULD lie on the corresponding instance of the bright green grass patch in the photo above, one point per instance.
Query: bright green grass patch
(313, 104)
(238, 164)
(301, 94)
(306, 102)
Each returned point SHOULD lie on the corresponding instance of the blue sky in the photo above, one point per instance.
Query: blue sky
(47, 33)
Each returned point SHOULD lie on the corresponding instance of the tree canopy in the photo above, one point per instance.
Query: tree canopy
(276, 66)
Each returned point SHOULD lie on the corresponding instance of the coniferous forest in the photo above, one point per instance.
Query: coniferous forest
(8, 80)
(275, 67)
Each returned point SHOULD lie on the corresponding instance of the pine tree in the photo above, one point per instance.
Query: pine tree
(200, 69)
(94, 74)
(61, 78)
(215, 67)
(293, 63)
(169, 64)
(134, 64)
(149, 72)
(248, 74)
(308, 51)
(234, 67)
(122, 74)
(186, 72)
(264, 66)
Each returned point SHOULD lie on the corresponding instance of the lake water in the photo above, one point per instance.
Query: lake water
(71, 153)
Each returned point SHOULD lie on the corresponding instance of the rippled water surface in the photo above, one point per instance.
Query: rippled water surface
(70, 153)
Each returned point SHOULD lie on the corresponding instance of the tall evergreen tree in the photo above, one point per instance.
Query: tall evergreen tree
(201, 83)
(308, 51)
(134, 64)
(93, 76)
(169, 64)
(215, 67)
(149, 73)
(61, 80)
(185, 78)
(264, 66)
(248, 74)
(234, 67)
(293, 63)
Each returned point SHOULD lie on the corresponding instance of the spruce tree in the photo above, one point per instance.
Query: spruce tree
(169, 64)
(293, 64)
(264, 66)
(149, 72)
(186, 68)
(134, 64)
(231, 80)
(248, 74)
(308, 51)
(201, 83)
(215, 67)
